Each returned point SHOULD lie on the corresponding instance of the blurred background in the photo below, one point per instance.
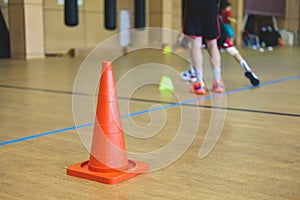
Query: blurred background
(36, 28)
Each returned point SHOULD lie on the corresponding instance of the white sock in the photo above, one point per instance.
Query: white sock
(192, 69)
(245, 65)
(217, 74)
(199, 74)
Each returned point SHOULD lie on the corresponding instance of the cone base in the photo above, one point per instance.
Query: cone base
(81, 170)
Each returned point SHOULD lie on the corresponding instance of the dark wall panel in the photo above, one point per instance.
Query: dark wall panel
(4, 38)
(265, 7)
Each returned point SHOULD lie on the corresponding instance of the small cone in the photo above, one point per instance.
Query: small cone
(166, 84)
(166, 49)
(108, 161)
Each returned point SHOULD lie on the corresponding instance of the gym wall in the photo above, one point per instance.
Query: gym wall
(90, 31)
(59, 38)
(159, 13)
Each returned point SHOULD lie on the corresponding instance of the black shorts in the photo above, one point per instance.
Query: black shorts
(223, 41)
(200, 19)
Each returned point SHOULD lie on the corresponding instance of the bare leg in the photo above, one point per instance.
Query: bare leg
(249, 73)
(238, 57)
(197, 57)
(215, 59)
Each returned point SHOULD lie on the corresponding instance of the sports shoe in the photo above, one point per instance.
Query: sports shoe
(188, 76)
(252, 77)
(198, 88)
(218, 87)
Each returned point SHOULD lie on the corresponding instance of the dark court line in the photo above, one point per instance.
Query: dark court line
(214, 107)
(187, 102)
(42, 90)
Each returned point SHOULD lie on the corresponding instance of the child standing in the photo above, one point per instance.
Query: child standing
(227, 20)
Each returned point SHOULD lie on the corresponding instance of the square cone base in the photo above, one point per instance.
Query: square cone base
(81, 170)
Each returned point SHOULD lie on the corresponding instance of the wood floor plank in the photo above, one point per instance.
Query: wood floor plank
(256, 156)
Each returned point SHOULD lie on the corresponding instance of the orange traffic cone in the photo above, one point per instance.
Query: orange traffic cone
(108, 161)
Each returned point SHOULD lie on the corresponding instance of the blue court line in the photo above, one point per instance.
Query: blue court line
(149, 110)
(44, 134)
(209, 97)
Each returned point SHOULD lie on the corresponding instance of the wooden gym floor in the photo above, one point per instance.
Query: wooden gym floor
(256, 157)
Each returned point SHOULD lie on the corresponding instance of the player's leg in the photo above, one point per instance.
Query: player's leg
(197, 60)
(254, 80)
(193, 27)
(211, 34)
(215, 60)
(189, 75)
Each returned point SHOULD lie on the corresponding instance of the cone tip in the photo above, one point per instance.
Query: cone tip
(106, 65)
